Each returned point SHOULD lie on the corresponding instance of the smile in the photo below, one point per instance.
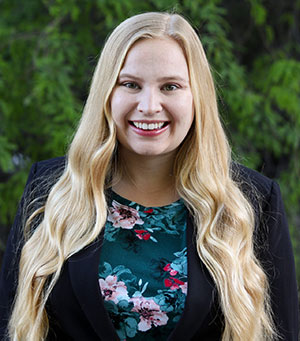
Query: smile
(148, 126)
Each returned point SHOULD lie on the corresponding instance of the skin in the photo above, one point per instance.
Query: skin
(153, 87)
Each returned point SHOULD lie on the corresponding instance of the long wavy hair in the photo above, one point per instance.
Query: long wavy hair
(76, 209)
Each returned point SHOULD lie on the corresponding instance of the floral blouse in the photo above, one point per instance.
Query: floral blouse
(143, 268)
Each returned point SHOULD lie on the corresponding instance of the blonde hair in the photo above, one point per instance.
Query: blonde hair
(223, 218)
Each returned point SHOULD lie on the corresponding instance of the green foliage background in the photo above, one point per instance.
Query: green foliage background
(48, 50)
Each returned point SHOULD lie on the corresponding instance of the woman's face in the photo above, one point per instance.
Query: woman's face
(152, 102)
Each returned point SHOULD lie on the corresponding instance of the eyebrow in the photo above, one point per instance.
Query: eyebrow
(161, 79)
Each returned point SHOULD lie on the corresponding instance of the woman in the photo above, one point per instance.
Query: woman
(195, 247)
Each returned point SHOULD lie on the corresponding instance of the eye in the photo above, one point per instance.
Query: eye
(130, 85)
(170, 87)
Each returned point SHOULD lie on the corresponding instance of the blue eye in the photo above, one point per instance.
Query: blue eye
(130, 85)
(170, 87)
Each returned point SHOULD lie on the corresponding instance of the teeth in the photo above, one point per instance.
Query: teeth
(150, 126)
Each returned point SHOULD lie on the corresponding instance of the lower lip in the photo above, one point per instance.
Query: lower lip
(149, 133)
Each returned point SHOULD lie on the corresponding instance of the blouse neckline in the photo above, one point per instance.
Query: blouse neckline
(127, 202)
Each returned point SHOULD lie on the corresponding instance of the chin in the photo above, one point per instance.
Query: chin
(152, 152)
(149, 150)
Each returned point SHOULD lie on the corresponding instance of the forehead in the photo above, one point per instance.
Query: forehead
(156, 55)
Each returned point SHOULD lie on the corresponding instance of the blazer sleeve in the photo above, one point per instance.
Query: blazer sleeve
(10, 264)
(279, 263)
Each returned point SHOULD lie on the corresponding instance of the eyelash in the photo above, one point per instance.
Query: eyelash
(175, 87)
(130, 85)
(134, 86)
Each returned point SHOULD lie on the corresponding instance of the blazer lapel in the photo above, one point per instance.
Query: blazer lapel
(83, 269)
(200, 293)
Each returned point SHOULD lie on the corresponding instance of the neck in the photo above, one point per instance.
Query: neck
(147, 179)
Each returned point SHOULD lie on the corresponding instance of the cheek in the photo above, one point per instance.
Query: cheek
(116, 111)
(120, 106)
(116, 99)
(185, 113)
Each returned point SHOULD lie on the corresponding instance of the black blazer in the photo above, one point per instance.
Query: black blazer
(75, 307)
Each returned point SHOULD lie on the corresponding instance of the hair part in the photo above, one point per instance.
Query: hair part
(223, 217)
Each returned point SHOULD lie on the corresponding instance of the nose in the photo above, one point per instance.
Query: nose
(149, 102)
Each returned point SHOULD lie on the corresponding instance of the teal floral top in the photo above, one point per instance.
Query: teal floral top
(143, 268)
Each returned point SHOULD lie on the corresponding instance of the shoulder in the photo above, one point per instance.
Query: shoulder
(48, 167)
(262, 192)
(251, 181)
(46, 172)
(42, 177)
(265, 198)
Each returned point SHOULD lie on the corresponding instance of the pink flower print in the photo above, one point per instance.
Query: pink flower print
(142, 234)
(150, 313)
(183, 288)
(123, 216)
(169, 269)
(173, 283)
(112, 290)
